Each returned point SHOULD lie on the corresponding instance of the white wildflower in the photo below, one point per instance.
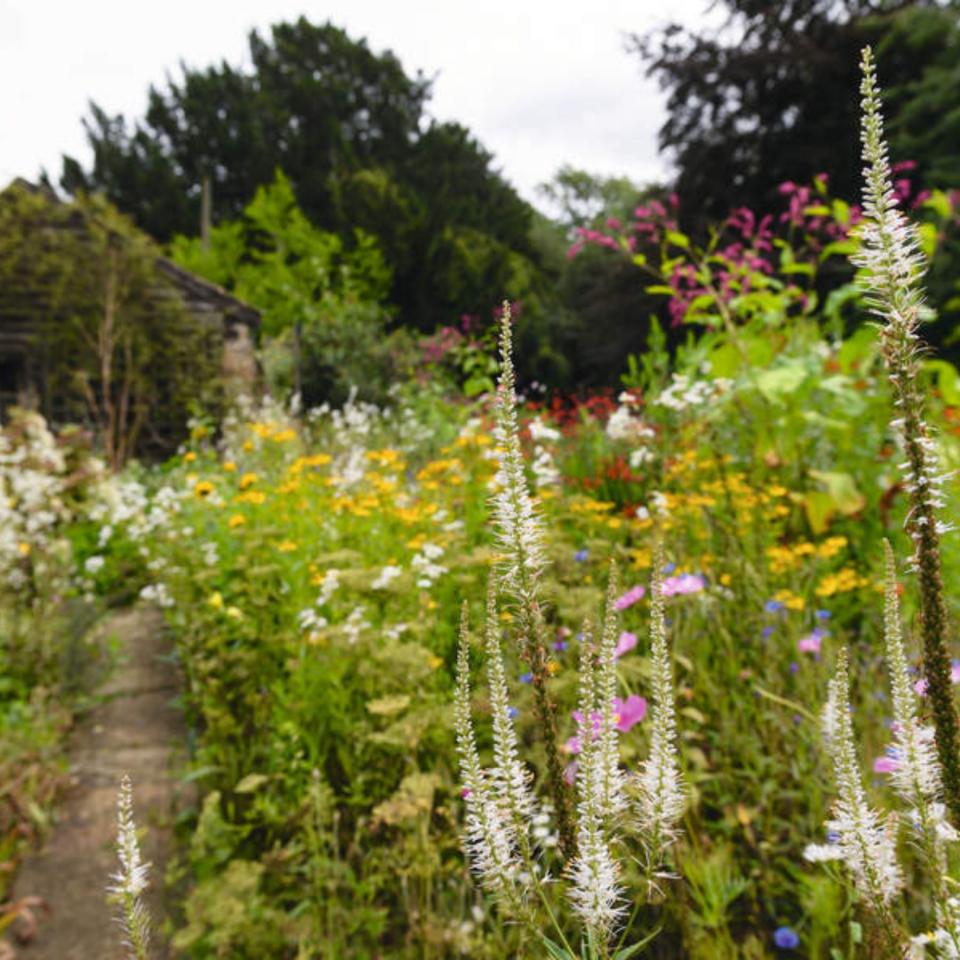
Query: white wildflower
(130, 881)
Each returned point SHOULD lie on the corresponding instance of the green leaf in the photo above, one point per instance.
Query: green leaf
(947, 380)
(939, 203)
(782, 381)
(639, 259)
(661, 288)
(555, 950)
(928, 238)
(842, 489)
(199, 773)
(678, 239)
(635, 948)
(817, 210)
(251, 783)
(841, 211)
(820, 509)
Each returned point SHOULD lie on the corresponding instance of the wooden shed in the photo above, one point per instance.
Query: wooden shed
(42, 240)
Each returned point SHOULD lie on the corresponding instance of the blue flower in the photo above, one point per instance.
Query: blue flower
(822, 614)
(786, 938)
(560, 645)
(512, 712)
(526, 678)
(766, 632)
(581, 556)
(773, 606)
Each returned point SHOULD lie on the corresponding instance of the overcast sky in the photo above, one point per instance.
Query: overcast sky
(539, 82)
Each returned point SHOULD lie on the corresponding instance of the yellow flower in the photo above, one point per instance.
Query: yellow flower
(248, 480)
(789, 599)
(237, 520)
(199, 431)
(251, 496)
(234, 613)
(203, 489)
(288, 546)
(284, 436)
(229, 466)
(434, 662)
(189, 457)
(24, 548)
(216, 600)
(248, 445)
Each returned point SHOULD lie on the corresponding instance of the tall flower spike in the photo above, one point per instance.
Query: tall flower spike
(520, 543)
(488, 837)
(594, 892)
(892, 271)
(917, 774)
(510, 778)
(866, 843)
(130, 881)
(519, 533)
(610, 780)
(662, 788)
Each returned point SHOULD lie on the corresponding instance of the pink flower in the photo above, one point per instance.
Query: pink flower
(885, 765)
(570, 772)
(629, 712)
(809, 643)
(632, 596)
(626, 642)
(920, 687)
(682, 584)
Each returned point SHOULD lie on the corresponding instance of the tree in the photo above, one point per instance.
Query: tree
(347, 126)
(322, 303)
(765, 98)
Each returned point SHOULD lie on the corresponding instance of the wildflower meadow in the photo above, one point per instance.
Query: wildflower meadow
(478, 669)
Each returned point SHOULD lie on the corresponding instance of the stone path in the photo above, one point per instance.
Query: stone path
(135, 730)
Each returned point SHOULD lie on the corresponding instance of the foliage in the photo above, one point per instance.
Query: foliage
(753, 100)
(347, 126)
(322, 303)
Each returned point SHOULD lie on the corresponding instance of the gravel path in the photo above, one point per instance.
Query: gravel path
(135, 730)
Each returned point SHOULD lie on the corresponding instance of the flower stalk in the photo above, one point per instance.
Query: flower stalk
(130, 881)
(892, 268)
(523, 558)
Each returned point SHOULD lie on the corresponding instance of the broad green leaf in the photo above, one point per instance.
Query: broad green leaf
(819, 508)
(781, 381)
(817, 210)
(639, 259)
(841, 211)
(842, 490)
(678, 239)
(947, 380)
(661, 288)
(928, 238)
(939, 203)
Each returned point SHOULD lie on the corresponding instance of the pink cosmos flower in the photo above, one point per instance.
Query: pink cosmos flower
(682, 584)
(632, 596)
(626, 642)
(630, 712)
(811, 642)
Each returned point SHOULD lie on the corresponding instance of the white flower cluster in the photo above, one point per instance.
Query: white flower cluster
(683, 393)
(130, 881)
(544, 465)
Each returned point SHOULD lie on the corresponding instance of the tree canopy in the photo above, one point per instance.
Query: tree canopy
(348, 127)
(771, 96)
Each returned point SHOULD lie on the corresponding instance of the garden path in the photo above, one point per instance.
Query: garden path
(137, 730)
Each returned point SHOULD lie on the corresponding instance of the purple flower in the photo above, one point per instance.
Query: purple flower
(512, 712)
(632, 596)
(581, 556)
(786, 938)
(955, 671)
(526, 678)
(810, 643)
(626, 642)
(560, 645)
(773, 606)
(822, 614)
(766, 632)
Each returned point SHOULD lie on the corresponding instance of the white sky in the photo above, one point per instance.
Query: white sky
(539, 82)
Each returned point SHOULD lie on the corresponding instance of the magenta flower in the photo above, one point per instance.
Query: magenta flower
(626, 642)
(629, 712)
(682, 584)
(632, 596)
(885, 765)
